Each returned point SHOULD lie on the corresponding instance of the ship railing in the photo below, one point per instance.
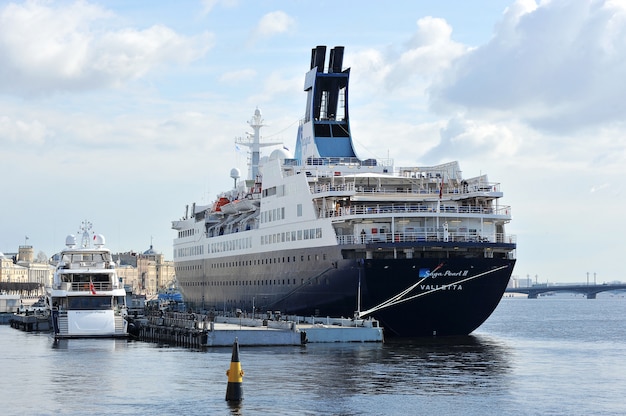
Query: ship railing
(433, 190)
(426, 236)
(408, 208)
(448, 191)
(330, 162)
(85, 286)
(323, 188)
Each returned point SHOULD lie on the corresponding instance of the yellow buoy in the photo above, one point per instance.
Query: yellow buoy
(234, 389)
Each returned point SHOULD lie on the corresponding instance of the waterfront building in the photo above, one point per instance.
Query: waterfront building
(151, 271)
(22, 273)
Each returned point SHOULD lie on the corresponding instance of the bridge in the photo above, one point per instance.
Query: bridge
(588, 290)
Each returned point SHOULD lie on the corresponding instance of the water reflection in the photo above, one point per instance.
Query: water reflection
(88, 344)
(419, 366)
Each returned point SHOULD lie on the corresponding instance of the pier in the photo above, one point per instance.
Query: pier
(30, 321)
(197, 330)
(590, 291)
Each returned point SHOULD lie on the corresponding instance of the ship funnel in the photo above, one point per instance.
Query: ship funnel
(336, 59)
(318, 57)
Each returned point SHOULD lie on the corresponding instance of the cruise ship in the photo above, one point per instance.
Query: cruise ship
(323, 232)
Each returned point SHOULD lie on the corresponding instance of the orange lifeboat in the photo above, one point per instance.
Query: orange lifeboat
(217, 206)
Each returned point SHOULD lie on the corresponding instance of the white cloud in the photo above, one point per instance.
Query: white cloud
(558, 67)
(131, 53)
(238, 76)
(25, 132)
(462, 137)
(273, 23)
(46, 48)
(209, 5)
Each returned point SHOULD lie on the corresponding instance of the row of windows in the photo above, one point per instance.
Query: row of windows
(256, 262)
(271, 260)
(238, 244)
(260, 282)
(246, 243)
(186, 233)
(275, 214)
(285, 237)
(189, 251)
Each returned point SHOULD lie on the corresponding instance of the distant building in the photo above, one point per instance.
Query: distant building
(517, 282)
(152, 271)
(21, 273)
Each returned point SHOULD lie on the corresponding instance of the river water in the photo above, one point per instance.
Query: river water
(547, 356)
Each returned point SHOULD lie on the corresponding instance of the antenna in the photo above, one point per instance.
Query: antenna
(85, 228)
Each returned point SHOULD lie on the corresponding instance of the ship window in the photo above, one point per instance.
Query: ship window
(299, 210)
(89, 302)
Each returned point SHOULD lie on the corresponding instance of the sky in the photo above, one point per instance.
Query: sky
(122, 113)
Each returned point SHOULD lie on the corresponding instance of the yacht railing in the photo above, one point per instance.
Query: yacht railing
(84, 286)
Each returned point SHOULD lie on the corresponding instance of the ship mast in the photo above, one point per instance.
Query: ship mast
(85, 227)
(253, 141)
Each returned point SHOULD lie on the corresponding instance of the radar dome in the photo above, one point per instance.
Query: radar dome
(281, 154)
(235, 173)
(98, 240)
(70, 240)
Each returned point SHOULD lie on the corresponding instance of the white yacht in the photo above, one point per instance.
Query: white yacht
(86, 298)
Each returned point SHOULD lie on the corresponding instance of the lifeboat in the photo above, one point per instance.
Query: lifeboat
(217, 206)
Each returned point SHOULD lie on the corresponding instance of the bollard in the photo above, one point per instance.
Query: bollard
(234, 389)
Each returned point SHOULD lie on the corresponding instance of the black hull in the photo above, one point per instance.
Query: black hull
(456, 301)
(453, 296)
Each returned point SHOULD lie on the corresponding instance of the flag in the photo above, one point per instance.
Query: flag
(91, 287)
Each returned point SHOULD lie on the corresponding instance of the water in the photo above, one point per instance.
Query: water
(549, 356)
